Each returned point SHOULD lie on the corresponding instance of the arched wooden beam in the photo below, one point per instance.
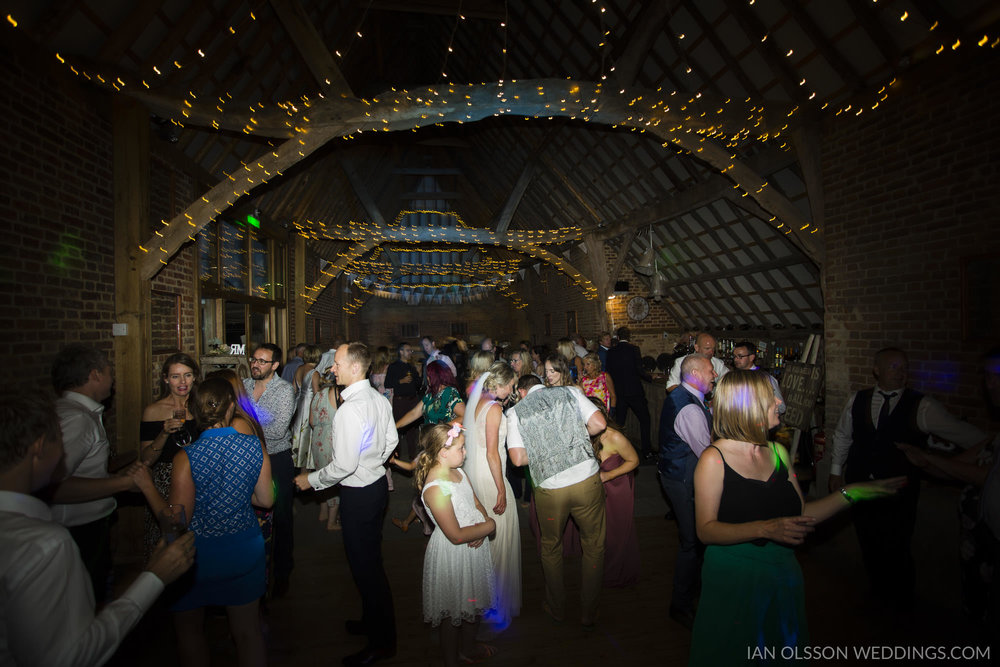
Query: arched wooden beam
(313, 126)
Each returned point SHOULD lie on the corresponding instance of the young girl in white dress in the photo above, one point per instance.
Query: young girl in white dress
(458, 583)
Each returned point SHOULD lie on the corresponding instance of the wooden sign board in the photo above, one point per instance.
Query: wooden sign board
(800, 386)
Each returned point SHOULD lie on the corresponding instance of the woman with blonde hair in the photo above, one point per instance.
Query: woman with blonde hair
(479, 363)
(596, 383)
(380, 365)
(750, 512)
(486, 436)
(520, 362)
(566, 348)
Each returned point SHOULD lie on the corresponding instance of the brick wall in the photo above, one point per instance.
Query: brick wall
(56, 273)
(326, 315)
(170, 192)
(910, 190)
(57, 269)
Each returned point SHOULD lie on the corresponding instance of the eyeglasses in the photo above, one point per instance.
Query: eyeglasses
(255, 360)
(740, 356)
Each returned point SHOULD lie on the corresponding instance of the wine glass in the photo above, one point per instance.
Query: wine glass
(182, 437)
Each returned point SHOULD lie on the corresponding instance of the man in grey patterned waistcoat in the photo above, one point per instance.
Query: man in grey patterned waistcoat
(550, 428)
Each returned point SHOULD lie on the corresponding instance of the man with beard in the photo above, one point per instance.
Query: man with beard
(274, 402)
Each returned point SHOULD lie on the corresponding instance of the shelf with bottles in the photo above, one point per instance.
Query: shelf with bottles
(772, 353)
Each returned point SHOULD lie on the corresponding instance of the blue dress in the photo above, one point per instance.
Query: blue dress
(229, 563)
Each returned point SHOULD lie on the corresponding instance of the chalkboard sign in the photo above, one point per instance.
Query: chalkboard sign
(800, 385)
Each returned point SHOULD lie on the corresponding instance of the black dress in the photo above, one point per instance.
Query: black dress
(752, 608)
(162, 468)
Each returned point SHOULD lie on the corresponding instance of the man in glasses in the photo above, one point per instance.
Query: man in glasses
(274, 402)
(745, 359)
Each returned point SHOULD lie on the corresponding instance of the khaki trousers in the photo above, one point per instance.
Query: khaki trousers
(583, 501)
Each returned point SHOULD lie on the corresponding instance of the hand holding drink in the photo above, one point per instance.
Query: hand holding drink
(173, 522)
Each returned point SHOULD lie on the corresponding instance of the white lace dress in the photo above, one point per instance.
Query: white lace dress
(458, 580)
(505, 547)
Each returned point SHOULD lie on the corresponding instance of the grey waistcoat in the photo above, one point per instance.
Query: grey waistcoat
(553, 431)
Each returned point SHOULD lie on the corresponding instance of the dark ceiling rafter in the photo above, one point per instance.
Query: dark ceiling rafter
(868, 18)
(309, 43)
(609, 180)
(723, 50)
(637, 42)
(840, 65)
(778, 62)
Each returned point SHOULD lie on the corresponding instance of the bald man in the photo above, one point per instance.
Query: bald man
(704, 345)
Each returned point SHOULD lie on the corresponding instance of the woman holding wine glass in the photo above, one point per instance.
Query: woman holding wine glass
(166, 427)
(216, 480)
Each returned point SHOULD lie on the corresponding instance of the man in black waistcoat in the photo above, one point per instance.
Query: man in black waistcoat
(864, 448)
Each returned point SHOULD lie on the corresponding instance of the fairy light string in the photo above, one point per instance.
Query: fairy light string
(705, 126)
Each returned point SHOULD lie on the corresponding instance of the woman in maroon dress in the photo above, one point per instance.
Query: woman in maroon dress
(618, 461)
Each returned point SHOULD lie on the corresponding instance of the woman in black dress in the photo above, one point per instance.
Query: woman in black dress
(163, 430)
(750, 512)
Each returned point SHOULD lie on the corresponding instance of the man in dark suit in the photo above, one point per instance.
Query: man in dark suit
(625, 367)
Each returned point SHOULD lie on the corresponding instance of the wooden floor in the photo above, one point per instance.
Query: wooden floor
(307, 626)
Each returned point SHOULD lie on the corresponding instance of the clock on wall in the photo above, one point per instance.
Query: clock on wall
(638, 308)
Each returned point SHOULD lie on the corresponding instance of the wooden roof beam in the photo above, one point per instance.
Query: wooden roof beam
(639, 40)
(493, 10)
(309, 43)
(362, 193)
(129, 30)
(523, 181)
(709, 31)
(838, 62)
(868, 19)
(778, 63)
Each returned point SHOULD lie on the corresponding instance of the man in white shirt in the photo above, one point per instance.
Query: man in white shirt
(83, 496)
(47, 608)
(364, 435)
(704, 345)
(550, 428)
(430, 347)
(864, 448)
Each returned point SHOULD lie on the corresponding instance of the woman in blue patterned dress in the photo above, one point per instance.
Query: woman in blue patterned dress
(216, 479)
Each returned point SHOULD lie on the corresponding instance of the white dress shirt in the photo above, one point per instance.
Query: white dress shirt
(572, 475)
(932, 418)
(364, 435)
(436, 355)
(87, 449)
(47, 614)
(675, 373)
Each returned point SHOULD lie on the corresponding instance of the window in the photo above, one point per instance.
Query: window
(241, 273)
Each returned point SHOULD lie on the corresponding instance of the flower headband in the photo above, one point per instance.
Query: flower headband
(454, 432)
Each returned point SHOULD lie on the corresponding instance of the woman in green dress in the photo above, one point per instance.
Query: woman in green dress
(440, 405)
(750, 512)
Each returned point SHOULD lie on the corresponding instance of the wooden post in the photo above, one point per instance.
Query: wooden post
(132, 351)
(298, 290)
